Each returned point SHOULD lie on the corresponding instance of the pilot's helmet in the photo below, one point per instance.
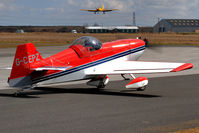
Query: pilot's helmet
(88, 41)
(92, 42)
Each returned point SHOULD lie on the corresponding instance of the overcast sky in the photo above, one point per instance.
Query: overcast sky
(67, 12)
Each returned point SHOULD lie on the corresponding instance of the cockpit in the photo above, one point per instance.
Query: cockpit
(90, 42)
(86, 44)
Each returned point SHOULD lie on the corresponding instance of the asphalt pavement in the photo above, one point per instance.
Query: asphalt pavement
(168, 104)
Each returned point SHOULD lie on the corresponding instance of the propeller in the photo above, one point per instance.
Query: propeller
(155, 48)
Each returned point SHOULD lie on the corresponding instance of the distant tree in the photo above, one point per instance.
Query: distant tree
(64, 29)
(85, 25)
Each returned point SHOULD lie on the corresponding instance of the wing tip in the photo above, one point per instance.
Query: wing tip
(183, 67)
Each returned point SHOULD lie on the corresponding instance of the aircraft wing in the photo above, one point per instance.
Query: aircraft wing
(108, 10)
(41, 68)
(88, 10)
(127, 67)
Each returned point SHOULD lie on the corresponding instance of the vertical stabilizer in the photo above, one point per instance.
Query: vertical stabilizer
(26, 55)
(103, 7)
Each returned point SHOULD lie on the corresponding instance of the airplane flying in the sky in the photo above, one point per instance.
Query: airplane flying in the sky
(86, 59)
(97, 10)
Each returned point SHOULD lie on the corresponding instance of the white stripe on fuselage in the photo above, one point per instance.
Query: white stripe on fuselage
(88, 65)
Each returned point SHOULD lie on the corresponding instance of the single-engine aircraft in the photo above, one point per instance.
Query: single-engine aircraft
(86, 59)
(97, 10)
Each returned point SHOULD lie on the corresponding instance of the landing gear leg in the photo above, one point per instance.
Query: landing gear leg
(124, 77)
(132, 76)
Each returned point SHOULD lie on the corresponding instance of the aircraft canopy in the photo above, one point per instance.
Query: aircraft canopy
(87, 41)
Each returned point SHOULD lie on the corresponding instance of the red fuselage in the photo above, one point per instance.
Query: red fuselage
(75, 56)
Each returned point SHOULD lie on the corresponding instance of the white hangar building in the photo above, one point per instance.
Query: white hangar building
(112, 29)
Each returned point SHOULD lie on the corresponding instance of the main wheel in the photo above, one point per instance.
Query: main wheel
(17, 94)
(100, 86)
(141, 88)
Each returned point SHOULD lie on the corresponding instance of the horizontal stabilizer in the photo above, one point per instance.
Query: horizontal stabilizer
(5, 68)
(51, 68)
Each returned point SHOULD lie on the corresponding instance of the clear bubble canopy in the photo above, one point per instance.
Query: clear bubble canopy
(88, 41)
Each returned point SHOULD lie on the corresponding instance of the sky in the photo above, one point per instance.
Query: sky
(67, 12)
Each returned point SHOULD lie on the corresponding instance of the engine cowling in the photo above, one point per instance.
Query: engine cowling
(137, 83)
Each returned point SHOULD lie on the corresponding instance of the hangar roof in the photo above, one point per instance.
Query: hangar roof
(182, 22)
(112, 27)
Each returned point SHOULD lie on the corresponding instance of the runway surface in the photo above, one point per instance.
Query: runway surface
(169, 103)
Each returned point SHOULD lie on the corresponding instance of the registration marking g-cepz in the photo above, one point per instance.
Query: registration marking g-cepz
(27, 59)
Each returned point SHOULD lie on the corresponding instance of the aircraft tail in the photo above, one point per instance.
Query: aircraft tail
(26, 55)
(102, 7)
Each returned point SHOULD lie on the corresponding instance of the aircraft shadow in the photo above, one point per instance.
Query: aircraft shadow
(22, 95)
(91, 91)
(71, 90)
(76, 89)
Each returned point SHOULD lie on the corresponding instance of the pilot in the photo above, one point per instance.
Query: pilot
(92, 43)
(88, 43)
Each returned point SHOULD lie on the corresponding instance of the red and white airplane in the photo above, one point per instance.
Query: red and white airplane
(86, 59)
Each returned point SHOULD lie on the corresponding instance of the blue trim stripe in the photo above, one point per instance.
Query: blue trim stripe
(72, 70)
